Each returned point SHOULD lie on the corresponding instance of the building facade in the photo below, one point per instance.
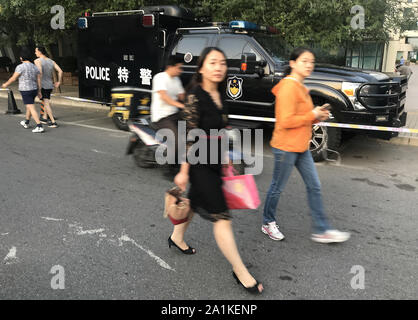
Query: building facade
(402, 45)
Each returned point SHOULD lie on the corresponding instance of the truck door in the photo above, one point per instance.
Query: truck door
(247, 94)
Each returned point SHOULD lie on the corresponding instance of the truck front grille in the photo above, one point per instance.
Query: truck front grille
(381, 95)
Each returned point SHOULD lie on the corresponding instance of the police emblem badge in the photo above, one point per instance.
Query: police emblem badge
(234, 87)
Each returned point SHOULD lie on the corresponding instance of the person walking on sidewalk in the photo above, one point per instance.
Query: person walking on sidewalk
(295, 114)
(47, 66)
(204, 110)
(29, 86)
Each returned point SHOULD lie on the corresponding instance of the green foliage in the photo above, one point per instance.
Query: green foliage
(67, 64)
(327, 23)
(5, 62)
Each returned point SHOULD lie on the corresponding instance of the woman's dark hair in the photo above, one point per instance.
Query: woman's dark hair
(25, 55)
(197, 77)
(42, 50)
(296, 53)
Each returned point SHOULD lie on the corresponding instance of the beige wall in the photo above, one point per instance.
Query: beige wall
(391, 50)
(398, 44)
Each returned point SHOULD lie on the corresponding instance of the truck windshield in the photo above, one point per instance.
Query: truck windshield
(274, 45)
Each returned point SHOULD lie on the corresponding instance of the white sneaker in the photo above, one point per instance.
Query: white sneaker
(23, 124)
(38, 130)
(331, 236)
(272, 230)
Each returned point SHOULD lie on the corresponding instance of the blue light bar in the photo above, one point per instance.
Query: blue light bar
(82, 23)
(240, 24)
(243, 25)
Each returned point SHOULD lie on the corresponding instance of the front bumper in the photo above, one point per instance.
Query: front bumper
(393, 119)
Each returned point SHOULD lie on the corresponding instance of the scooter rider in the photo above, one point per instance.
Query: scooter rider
(168, 92)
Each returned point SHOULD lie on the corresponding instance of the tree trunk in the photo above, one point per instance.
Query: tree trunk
(60, 47)
(49, 52)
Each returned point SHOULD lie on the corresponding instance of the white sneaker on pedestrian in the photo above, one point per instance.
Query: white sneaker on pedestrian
(24, 124)
(272, 230)
(38, 130)
(331, 236)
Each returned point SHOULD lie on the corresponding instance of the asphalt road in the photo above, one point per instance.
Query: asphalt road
(70, 197)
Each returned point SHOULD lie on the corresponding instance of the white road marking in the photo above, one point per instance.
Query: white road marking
(51, 219)
(75, 123)
(11, 256)
(161, 262)
(79, 230)
(91, 127)
(117, 136)
(5, 234)
(91, 119)
(97, 151)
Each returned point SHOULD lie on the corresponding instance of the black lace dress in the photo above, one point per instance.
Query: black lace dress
(205, 194)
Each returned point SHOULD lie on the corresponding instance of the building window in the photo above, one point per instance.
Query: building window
(412, 41)
(368, 56)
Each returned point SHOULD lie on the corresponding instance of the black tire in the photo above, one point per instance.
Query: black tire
(324, 138)
(142, 155)
(120, 122)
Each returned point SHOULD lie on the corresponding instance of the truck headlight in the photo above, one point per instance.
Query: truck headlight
(350, 89)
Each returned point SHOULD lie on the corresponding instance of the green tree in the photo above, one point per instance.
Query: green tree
(327, 23)
(28, 22)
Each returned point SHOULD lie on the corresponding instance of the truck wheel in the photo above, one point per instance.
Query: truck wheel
(322, 137)
(142, 155)
(120, 122)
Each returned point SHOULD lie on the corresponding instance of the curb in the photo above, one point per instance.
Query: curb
(406, 141)
(57, 100)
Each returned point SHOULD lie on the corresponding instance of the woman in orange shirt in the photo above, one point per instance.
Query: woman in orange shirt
(295, 114)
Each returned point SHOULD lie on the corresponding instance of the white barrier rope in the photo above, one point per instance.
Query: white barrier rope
(333, 124)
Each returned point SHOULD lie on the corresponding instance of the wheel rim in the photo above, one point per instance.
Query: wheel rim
(319, 138)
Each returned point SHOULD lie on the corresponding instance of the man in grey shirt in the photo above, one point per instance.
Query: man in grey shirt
(29, 87)
(47, 66)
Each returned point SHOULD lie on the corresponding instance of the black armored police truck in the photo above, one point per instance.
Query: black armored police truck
(120, 52)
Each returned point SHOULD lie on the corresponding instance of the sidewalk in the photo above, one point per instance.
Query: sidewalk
(411, 106)
(58, 98)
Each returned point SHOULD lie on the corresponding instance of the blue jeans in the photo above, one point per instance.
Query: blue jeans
(283, 164)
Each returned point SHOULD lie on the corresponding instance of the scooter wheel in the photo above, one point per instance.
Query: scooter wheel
(119, 122)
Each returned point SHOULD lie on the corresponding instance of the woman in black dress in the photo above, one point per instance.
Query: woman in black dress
(204, 110)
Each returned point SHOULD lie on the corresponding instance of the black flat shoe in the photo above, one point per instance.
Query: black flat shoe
(189, 250)
(253, 289)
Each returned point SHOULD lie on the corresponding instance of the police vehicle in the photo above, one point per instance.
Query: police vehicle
(120, 52)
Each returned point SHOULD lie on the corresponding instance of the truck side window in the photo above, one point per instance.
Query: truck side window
(233, 48)
(249, 48)
(192, 44)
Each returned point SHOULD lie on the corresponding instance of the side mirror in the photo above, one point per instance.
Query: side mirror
(259, 69)
(262, 63)
(248, 63)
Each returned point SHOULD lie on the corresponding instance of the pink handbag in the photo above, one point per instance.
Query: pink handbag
(240, 191)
